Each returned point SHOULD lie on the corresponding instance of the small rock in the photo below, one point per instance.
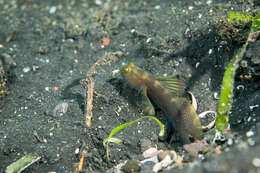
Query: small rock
(243, 63)
(8, 60)
(256, 162)
(196, 147)
(131, 166)
(163, 154)
(187, 157)
(35, 67)
(251, 142)
(146, 167)
(230, 141)
(145, 144)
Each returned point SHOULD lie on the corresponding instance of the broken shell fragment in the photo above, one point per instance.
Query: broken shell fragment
(60, 109)
(165, 158)
(151, 152)
(216, 95)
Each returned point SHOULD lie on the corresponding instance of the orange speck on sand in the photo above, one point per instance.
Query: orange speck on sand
(56, 89)
(218, 152)
(104, 42)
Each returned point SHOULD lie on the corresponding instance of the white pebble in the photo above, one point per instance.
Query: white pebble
(230, 141)
(47, 89)
(45, 140)
(157, 7)
(26, 69)
(216, 95)
(115, 72)
(149, 40)
(190, 7)
(52, 9)
(250, 133)
(197, 64)
(210, 51)
(256, 162)
(77, 151)
(209, 2)
(252, 107)
(98, 2)
(201, 157)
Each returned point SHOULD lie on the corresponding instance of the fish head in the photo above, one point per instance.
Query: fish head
(133, 75)
(127, 70)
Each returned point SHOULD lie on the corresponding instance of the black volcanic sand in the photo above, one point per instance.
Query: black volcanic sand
(47, 47)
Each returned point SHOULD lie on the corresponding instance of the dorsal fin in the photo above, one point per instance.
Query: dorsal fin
(174, 85)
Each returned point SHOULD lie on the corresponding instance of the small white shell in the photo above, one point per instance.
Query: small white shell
(212, 123)
(60, 109)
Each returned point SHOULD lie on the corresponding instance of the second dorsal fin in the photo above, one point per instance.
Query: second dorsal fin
(174, 85)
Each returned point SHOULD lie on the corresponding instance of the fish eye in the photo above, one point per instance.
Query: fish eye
(126, 69)
(131, 64)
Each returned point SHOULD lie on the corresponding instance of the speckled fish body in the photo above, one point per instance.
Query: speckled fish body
(178, 109)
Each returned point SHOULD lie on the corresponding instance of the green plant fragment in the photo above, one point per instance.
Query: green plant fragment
(239, 17)
(256, 23)
(115, 140)
(21, 164)
(122, 126)
(222, 122)
(226, 94)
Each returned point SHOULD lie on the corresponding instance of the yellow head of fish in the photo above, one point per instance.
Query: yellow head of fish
(133, 75)
(127, 70)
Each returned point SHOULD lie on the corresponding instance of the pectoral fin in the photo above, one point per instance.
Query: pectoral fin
(147, 106)
(174, 85)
